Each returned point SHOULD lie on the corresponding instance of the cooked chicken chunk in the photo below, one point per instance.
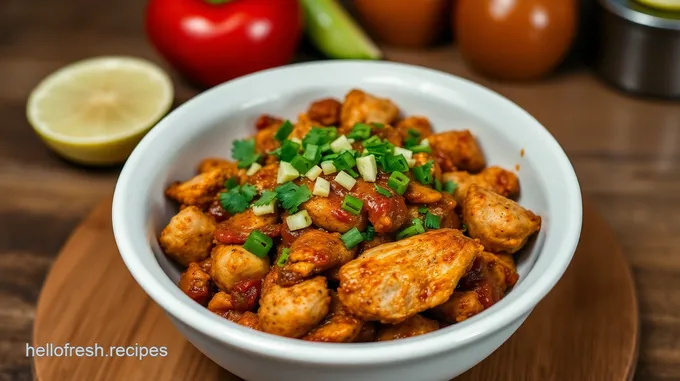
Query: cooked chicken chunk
(417, 193)
(414, 326)
(445, 210)
(265, 121)
(395, 281)
(188, 236)
(387, 214)
(210, 164)
(500, 224)
(338, 327)
(250, 320)
(314, 252)
(233, 264)
(264, 139)
(490, 277)
(495, 179)
(265, 177)
(327, 212)
(201, 189)
(362, 107)
(293, 311)
(418, 123)
(456, 150)
(378, 240)
(195, 283)
(387, 132)
(238, 227)
(325, 111)
(302, 127)
(462, 305)
(221, 304)
(367, 333)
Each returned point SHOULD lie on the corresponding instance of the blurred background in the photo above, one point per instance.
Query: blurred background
(603, 76)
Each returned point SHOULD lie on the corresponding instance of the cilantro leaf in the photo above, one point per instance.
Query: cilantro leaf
(248, 191)
(292, 196)
(266, 198)
(233, 201)
(244, 152)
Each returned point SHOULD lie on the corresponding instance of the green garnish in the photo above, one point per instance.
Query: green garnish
(292, 196)
(313, 153)
(423, 210)
(344, 161)
(383, 191)
(360, 131)
(415, 229)
(464, 228)
(301, 164)
(432, 221)
(352, 205)
(258, 244)
(232, 182)
(412, 139)
(352, 238)
(450, 187)
(369, 233)
(423, 173)
(398, 182)
(266, 198)
(320, 136)
(437, 185)
(289, 149)
(238, 198)
(352, 173)
(283, 258)
(397, 163)
(421, 148)
(283, 131)
(243, 151)
(378, 125)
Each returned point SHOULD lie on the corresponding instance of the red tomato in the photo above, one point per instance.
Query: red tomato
(212, 41)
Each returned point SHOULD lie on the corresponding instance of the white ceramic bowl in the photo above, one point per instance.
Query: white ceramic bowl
(207, 124)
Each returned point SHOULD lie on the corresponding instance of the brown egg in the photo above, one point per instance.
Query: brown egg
(404, 22)
(515, 39)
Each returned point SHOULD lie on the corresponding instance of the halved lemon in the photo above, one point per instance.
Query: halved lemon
(95, 111)
(671, 5)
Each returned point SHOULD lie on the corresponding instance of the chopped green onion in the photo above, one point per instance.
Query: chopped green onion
(313, 172)
(292, 196)
(301, 164)
(421, 148)
(352, 238)
(341, 144)
(423, 173)
(397, 163)
(313, 153)
(322, 187)
(415, 229)
(320, 136)
(372, 141)
(360, 131)
(345, 180)
(437, 185)
(352, 205)
(286, 173)
(283, 131)
(283, 258)
(450, 187)
(368, 168)
(253, 169)
(408, 154)
(328, 167)
(299, 220)
(258, 244)
(383, 191)
(352, 173)
(432, 221)
(369, 233)
(231, 183)
(325, 148)
(398, 182)
(413, 138)
(344, 161)
(289, 149)
(423, 210)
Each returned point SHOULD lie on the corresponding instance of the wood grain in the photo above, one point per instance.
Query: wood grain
(625, 150)
(586, 328)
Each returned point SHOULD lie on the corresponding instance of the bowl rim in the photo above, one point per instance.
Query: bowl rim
(286, 349)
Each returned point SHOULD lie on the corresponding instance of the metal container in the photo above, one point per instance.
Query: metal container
(639, 49)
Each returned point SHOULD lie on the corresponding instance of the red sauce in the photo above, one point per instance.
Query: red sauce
(229, 236)
(341, 215)
(217, 212)
(245, 294)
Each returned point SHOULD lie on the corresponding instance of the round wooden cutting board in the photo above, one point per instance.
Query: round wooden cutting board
(585, 329)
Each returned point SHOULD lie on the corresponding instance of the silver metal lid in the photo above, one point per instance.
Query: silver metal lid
(640, 14)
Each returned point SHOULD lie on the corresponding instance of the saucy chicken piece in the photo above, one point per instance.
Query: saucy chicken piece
(495, 179)
(327, 212)
(422, 158)
(265, 141)
(416, 193)
(201, 189)
(288, 236)
(221, 304)
(414, 326)
(490, 277)
(250, 320)
(210, 164)
(500, 224)
(387, 132)
(238, 227)
(387, 214)
(265, 121)
(188, 236)
(363, 107)
(195, 283)
(456, 150)
(338, 327)
(395, 281)
(233, 264)
(293, 311)
(265, 177)
(418, 123)
(314, 252)
(462, 305)
(325, 111)
(367, 333)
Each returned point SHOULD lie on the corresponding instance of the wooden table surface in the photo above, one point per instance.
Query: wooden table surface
(626, 153)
